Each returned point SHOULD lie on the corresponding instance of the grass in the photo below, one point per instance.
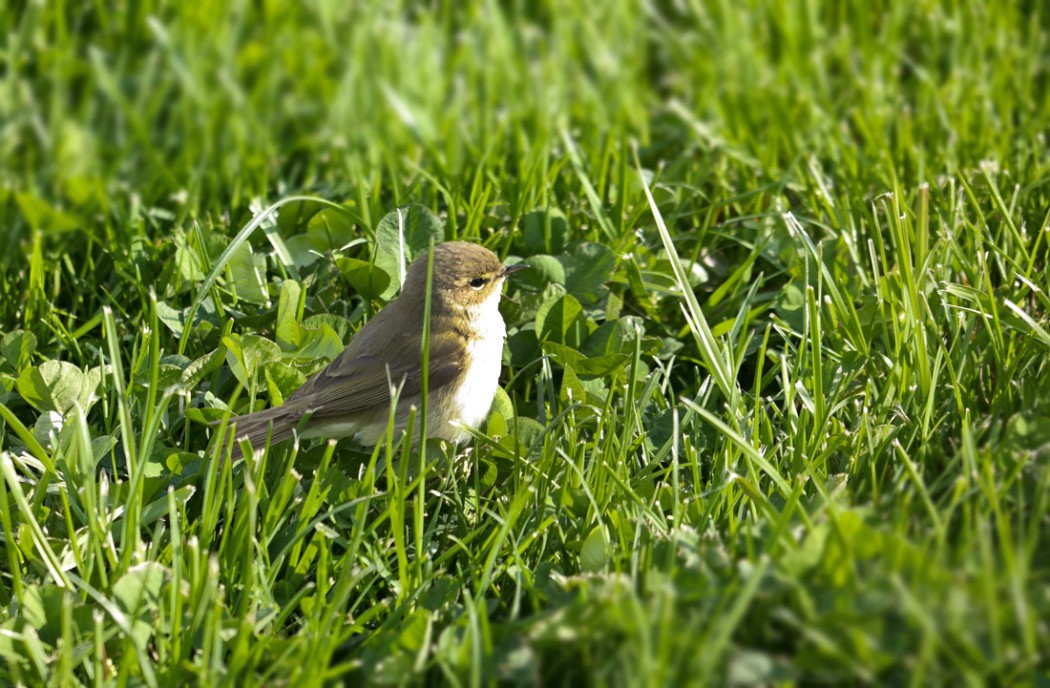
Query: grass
(777, 393)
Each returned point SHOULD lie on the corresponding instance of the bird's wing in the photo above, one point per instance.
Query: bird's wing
(354, 383)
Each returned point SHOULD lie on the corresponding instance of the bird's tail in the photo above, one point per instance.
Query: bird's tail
(277, 423)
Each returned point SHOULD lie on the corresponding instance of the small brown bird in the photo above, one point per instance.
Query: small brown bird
(351, 396)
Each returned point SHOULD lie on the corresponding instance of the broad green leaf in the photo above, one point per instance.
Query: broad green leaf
(414, 631)
(281, 381)
(496, 425)
(168, 375)
(790, 305)
(302, 250)
(618, 336)
(544, 270)
(441, 591)
(528, 430)
(47, 426)
(13, 650)
(200, 368)
(138, 592)
(289, 331)
(42, 608)
(522, 435)
(502, 404)
(139, 588)
(594, 554)
(562, 321)
(170, 317)
(175, 320)
(341, 326)
(320, 342)
(55, 385)
(153, 467)
(175, 361)
(186, 259)
(609, 338)
(205, 416)
(420, 227)
(176, 462)
(633, 272)
(524, 348)
(330, 229)
(801, 560)
(500, 415)
(571, 389)
(100, 447)
(592, 266)
(247, 275)
(295, 214)
(259, 351)
(545, 231)
(370, 281)
(585, 367)
(245, 354)
(17, 347)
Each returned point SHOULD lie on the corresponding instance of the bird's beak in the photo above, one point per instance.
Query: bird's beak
(510, 269)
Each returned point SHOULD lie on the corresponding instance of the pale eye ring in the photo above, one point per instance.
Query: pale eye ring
(478, 282)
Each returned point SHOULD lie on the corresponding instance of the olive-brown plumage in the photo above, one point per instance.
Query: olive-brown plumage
(351, 396)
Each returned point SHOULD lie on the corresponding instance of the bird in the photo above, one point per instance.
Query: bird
(352, 395)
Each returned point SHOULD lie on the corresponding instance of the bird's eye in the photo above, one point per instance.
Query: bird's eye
(478, 282)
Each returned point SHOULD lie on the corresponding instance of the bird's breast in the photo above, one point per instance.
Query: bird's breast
(472, 397)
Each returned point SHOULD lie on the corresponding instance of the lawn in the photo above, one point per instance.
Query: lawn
(775, 403)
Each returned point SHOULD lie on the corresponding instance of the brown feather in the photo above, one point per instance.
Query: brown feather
(355, 387)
